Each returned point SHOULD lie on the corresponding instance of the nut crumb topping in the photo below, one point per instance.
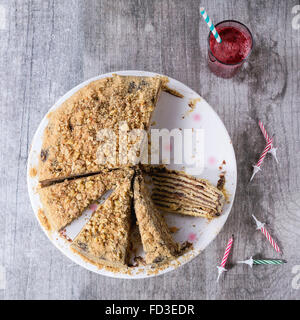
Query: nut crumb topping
(71, 140)
(64, 202)
(105, 238)
(156, 237)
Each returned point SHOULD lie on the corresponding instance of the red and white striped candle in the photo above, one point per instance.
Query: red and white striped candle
(221, 268)
(263, 130)
(261, 227)
(264, 153)
(256, 167)
(267, 138)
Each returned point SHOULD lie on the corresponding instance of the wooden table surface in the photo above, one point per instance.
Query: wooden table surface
(48, 47)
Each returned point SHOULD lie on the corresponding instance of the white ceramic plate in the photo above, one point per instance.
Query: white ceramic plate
(171, 112)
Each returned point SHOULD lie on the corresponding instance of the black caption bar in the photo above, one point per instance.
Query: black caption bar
(147, 309)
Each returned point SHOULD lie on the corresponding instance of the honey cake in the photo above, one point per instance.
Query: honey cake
(178, 192)
(157, 240)
(105, 238)
(71, 141)
(64, 202)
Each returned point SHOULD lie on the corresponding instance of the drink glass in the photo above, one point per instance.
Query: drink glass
(226, 58)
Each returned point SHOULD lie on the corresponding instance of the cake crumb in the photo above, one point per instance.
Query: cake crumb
(43, 220)
(186, 246)
(63, 234)
(192, 105)
(173, 92)
(138, 261)
(193, 102)
(165, 88)
(174, 229)
(221, 182)
(32, 172)
(221, 186)
(222, 164)
(49, 115)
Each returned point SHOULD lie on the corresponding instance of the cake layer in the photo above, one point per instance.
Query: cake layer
(175, 191)
(157, 240)
(64, 202)
(171, 206)
(181, 194)
(182, 202)
(190, 186)
(105, 239)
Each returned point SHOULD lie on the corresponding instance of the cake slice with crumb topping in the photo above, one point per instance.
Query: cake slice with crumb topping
(155, 234)
(82, 136)
(64, 202)
(104, 240)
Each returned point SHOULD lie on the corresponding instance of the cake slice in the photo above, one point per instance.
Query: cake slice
(176, 191)
(82, 136)
(104, 240)
(155, 234)
(64, 202)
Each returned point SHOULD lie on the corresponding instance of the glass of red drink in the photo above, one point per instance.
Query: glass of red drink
(226, 58)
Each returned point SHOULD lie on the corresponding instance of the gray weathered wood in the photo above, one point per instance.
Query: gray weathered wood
(48, 47)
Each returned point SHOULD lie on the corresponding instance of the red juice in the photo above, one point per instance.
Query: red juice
(226, 58)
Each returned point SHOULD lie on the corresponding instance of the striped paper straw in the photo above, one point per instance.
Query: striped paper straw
(265, 134)
(256, 167)
(251, 261)
(261, 227)
(210, 24)
(221, 268)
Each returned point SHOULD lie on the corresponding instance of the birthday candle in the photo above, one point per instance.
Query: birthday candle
(267, 138)
(268, 261)
(221, 268)
(256, 167)
(261, 227)
(251, 261)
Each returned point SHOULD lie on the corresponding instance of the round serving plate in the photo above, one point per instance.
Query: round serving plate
(191, 111)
